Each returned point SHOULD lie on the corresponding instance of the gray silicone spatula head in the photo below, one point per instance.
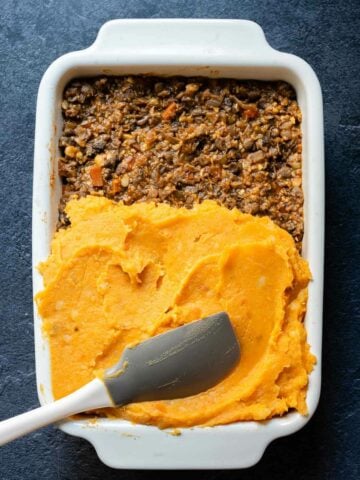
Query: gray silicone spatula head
(179, 363)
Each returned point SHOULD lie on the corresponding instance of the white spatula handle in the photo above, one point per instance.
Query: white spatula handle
(90, 396)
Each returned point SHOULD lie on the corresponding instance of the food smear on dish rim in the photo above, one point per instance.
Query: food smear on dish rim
(121, 274)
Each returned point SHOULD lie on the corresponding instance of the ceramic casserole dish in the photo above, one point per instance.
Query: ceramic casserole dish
(212, 48)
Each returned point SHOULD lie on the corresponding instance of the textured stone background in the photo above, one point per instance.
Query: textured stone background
(326, 34)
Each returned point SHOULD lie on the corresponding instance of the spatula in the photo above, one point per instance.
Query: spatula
(179, 363)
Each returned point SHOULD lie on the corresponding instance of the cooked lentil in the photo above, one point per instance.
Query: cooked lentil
(183, 140)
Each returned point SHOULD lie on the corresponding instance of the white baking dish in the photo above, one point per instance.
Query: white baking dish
(214, 48)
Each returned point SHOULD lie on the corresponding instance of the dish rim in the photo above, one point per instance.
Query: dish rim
(216, 48)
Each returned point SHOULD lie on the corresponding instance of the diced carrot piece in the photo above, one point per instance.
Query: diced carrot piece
(115, 187)
(169, 112)
(251, 113)
(96, 176)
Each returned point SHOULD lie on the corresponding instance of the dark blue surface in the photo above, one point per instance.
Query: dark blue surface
(326, 34)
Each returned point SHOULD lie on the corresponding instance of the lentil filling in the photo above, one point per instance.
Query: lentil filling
(180, 141)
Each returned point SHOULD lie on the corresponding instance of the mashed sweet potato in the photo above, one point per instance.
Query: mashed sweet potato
(120, 274)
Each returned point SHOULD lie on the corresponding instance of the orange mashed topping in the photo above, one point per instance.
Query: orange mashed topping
(120, 274)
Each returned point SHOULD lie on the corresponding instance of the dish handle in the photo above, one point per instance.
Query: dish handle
(119, 446)
(183, 36)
